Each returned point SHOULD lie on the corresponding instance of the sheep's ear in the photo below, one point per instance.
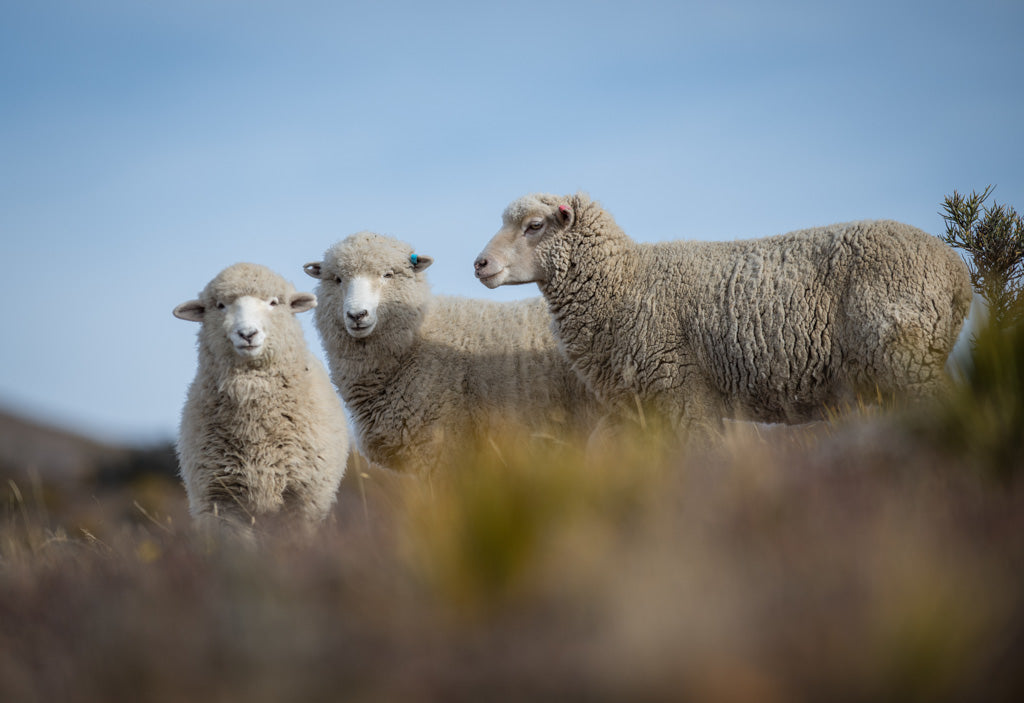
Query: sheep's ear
(192, 311)
(314, 269)
(420, 262)
(565, 215)
(301, 302)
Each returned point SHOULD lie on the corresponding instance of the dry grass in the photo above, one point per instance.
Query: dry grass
(868, 558)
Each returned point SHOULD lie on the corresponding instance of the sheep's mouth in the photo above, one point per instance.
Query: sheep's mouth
(360, 330)
(491, 280)
(248, 350)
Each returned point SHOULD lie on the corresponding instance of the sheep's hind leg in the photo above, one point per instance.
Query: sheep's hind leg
(901, 362)
(694, 414)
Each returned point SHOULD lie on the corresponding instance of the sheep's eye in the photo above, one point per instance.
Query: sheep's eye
(389, 274)
(534, 226)
(274, 301)
(337, 279)
(220, 305)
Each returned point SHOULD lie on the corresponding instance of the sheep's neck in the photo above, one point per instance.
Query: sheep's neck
(372, 361)
(581, 278)
(595, 283)
(252, 402)
(242, 383)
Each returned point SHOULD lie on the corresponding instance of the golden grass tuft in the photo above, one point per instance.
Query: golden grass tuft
(480, 529)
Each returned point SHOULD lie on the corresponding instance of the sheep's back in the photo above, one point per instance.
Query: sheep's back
(778, 318)
(764, 321)
(503, 356)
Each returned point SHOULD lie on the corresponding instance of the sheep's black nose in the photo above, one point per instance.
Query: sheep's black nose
(247, 335)
(356, 316)
(480, 263)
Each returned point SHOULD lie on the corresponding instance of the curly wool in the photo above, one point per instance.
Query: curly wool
(774, 329)
(437, 370)
(262, 437)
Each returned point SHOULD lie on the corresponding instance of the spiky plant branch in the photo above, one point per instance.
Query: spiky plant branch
(994, 239)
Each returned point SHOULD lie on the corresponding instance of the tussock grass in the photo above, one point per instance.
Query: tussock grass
(983, 422)
(876, 556)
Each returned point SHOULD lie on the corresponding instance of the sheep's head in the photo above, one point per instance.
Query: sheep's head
(369, 281)
(513, 254)
(240, 308)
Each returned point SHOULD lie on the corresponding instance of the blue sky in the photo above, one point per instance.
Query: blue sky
(145, 146)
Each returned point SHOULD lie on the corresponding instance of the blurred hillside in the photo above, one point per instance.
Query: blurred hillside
(29, 447)
(83, 485)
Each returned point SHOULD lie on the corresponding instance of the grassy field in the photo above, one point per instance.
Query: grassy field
(879, 556)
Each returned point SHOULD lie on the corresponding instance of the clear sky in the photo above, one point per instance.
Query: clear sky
(144, 146)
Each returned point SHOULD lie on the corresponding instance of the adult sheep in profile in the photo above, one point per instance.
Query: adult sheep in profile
(774, 329)
(263, 434)
(420, 372)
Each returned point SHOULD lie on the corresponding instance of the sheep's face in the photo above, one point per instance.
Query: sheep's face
(511, 257)
(244, 323)
(239, 312)
(368, 280)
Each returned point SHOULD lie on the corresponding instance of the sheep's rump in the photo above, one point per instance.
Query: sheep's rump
(786, 325)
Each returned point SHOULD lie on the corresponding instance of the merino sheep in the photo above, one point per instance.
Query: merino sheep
(419, 372)
(263, 433)
(772, 330)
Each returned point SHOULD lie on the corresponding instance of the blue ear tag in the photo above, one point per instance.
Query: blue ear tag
(413, 258)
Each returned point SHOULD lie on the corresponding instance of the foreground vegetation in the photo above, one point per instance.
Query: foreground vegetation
(879, 556)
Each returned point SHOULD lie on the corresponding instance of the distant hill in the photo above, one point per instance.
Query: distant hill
(30, 447)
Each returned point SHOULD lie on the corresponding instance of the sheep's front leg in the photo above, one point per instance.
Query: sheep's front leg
(694, 412)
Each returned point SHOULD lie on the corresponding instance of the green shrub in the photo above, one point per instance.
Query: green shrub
(993, 237)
